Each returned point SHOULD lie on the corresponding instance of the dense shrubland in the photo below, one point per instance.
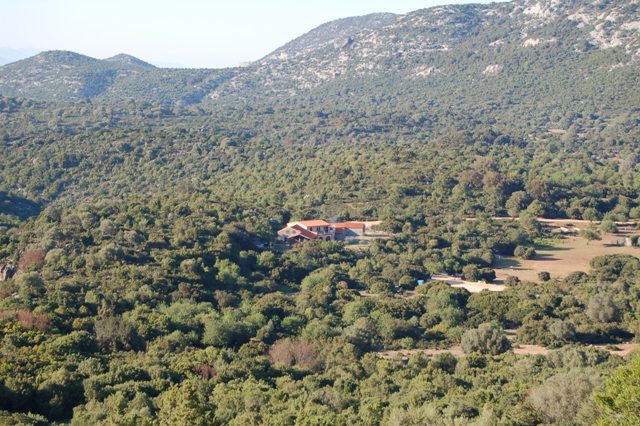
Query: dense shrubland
(147, 292)
(164, 309)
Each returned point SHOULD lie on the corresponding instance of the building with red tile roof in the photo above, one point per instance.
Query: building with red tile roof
(295, 233)
(319, 229)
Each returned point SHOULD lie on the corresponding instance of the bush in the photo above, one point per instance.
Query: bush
(525, 252)
(601, 308)
(576, 277)
(619, 399)
(227, 332)
(31, 260)
(30, 286)
(535, 331)
(31, 321)
(471, 272)
(563, 330)
(292, 352)
(7, 418)
(486, 339)
(608, 226)
(115, 334)
(487, 274)
(559, 399)
(544, 276)
(590, 234)
(511, 281)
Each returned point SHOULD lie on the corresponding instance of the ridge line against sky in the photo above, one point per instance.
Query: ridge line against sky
(189, 33)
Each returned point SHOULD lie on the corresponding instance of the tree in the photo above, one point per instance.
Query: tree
(539, 189)
(601, 308)
(590, 234)
(30, 286)
(7, 418)
(115, 334)
(228, 273)
(31, 260)
(486, 339)
(560, 398)
(292, 352)
(609, 226)
(187, 403)
(227, 332)
(76, 342)
(529, 223)
(536, 208)
(362, 334)
(591, 214)
(563, 330)
(57, 395)
(620, 398)
(516, 203)
(471, 272)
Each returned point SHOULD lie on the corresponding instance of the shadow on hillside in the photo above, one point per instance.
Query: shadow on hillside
(608, 336)
(19, 207)
(545, 256)
(548, 247)
(504, 263)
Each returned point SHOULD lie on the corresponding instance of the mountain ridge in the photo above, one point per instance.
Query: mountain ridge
(518, 55)
(126, 59)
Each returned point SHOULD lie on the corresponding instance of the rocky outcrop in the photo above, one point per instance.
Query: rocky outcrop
(7, 271)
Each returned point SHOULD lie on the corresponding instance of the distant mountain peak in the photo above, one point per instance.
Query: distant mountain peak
(125, 59)
(61, 56)
(338, 33)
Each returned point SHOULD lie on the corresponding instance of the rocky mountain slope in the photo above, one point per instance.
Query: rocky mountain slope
(336, 33)
(480, 41)
(64, 76)
(526, 57)
(68, 76)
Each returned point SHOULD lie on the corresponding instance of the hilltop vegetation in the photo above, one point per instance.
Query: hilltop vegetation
(138, 206)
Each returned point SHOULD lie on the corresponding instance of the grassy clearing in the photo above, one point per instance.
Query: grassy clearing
(549, 243)
(560, 257)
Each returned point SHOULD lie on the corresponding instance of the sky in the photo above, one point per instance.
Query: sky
(184, 33)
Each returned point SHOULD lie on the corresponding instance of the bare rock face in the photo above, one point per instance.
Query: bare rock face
(7, 272)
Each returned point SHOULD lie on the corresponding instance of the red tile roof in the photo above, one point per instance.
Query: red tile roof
(300, 231)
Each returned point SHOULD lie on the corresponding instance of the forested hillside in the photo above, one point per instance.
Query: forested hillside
(140, 279)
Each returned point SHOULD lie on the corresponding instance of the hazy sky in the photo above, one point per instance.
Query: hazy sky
(191, 33)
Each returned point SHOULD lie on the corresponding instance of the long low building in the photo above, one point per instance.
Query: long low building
(319, 229)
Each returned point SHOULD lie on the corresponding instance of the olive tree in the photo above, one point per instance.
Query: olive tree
(486, 339)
